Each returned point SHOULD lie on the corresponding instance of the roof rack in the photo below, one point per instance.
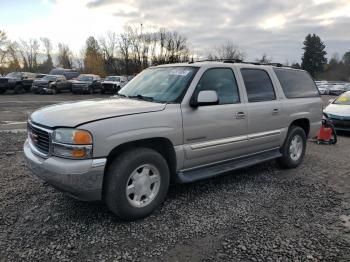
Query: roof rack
(236, 61)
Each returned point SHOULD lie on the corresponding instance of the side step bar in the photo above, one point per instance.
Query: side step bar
(223, 167)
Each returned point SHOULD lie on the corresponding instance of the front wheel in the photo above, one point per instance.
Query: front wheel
(18, 89)
(136, 183)
(294, 147)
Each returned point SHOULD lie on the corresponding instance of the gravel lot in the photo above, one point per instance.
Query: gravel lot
(256, 214)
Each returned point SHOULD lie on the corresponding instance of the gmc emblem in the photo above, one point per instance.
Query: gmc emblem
(33, 137)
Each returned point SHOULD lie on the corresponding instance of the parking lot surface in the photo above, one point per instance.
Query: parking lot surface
(262, 213)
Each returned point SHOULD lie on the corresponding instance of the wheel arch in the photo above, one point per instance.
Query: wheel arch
(160, 144)
(304, 123)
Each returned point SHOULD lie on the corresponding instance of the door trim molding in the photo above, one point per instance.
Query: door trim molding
(230, 140)
(218, 142)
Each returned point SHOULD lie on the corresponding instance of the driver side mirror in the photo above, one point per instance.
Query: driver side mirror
(205, 98)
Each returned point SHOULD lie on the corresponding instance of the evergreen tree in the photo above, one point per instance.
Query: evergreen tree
(346, 58)
(314, 57)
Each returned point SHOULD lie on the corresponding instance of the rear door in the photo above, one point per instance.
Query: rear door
(215, 132)
(265, 116)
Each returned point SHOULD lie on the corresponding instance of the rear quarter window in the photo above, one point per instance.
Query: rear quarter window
(296, 83)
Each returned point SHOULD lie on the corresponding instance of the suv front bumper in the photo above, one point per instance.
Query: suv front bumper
(82, 179)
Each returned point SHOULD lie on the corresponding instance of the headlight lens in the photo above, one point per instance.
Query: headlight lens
(72, 143)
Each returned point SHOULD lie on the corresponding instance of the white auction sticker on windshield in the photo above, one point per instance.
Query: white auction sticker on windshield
(179, 72)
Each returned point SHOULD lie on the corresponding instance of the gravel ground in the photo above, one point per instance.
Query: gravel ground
(256, 214)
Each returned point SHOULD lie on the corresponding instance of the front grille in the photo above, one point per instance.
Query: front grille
(40, 138)
(108, 85)
(3, 80)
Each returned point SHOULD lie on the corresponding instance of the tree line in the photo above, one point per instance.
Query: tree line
(126, 53)
(137, 48)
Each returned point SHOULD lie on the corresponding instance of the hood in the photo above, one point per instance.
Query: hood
(81, 82)
(41, 81)
(9, 78)
(72, 114)
(338, 110)
(110, 82)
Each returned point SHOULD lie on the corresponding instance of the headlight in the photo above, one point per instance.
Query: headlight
(72, 143)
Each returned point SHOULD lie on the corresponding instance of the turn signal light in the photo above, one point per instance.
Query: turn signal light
(82, 137)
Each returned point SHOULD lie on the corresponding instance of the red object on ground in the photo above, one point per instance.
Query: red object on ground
(324, 134)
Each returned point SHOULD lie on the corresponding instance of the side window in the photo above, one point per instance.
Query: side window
(258, 85)
(221, 80)
(296, 83)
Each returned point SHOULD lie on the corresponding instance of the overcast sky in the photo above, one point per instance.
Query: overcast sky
(274, 27)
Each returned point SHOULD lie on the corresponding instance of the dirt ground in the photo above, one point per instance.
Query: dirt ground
(262, 213)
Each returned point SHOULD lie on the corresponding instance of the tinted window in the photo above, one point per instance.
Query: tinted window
(296, 83)
(258, 85)
(221, 80)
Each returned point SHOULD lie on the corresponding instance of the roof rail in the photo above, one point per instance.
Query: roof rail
(236, 61)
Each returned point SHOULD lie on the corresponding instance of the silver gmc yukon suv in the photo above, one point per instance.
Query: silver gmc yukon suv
(173, 123)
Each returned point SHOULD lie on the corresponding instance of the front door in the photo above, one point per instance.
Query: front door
(215, 133)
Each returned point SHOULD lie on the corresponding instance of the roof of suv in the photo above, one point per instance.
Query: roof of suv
(225, 63)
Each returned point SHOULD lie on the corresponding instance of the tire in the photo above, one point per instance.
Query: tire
(134, 163)
(91, 90)
(54, 90)
(2, 91)
(103, 91)
(292, 156)
(18, 89)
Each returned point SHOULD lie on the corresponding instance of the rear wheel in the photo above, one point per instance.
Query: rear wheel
(2, 91)
(294, 147)
(136, 183)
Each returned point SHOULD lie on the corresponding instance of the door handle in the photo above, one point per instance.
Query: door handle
(275, 111)
(240, 115)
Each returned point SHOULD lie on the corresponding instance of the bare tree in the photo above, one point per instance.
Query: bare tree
(3, 45)
(64, 56)
(47, 65)
(29, 51)
(109, 47)
(264, 59)
(12, 56)
(228, 51)
(125, 50)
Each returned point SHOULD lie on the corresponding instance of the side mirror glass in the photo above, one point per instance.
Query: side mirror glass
(205, 98)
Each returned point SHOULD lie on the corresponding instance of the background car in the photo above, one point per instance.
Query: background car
(336, 89)
(67, 73)
(113, 84)
(17, 81)
(87, 83)
(51, 84)
(339, 112)
(323, 89)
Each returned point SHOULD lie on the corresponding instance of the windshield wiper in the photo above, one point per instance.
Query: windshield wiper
(146, 98)
(121, 95)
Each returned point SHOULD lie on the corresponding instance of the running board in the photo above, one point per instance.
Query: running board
(223, 167)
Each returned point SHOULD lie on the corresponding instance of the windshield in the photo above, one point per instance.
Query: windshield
(85, 78)
(162, 84)
(49, 78)
(14, 75)
(113, 78)
(344, 99)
